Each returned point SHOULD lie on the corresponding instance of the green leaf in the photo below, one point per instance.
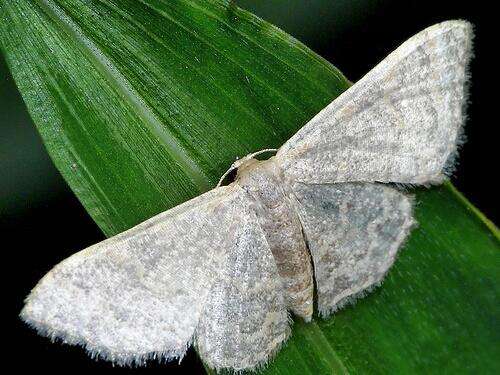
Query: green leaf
(144, 104)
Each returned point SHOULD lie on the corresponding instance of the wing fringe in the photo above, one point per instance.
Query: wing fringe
(97, 352)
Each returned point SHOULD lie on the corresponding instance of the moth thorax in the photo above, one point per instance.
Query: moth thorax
(249, 167)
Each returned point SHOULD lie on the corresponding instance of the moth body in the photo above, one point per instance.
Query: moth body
(263, 182)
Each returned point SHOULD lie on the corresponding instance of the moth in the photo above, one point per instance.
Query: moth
(223, 270)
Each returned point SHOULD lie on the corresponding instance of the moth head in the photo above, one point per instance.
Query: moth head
(244, 164)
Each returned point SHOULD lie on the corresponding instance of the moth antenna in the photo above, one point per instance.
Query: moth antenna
(239, 162)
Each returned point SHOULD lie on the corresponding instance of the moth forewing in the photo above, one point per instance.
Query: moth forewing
(399, 123)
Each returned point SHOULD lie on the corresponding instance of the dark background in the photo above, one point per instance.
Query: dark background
(41, 221)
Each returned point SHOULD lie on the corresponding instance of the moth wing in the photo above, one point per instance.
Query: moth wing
(399, 123)
(139, 294)
(245, 320)
(353, 231)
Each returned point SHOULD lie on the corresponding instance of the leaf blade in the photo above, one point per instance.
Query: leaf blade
(168, 73)
(172, 112)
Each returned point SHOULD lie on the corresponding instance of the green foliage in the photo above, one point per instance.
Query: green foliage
(144, 104)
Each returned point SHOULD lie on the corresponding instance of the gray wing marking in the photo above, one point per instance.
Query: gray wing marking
(353, 231)
(245, 320)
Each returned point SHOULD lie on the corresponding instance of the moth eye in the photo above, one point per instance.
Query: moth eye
(230, 177)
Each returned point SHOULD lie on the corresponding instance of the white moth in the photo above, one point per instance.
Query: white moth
(221, 270)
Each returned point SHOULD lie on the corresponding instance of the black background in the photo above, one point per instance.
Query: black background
(42, 222)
